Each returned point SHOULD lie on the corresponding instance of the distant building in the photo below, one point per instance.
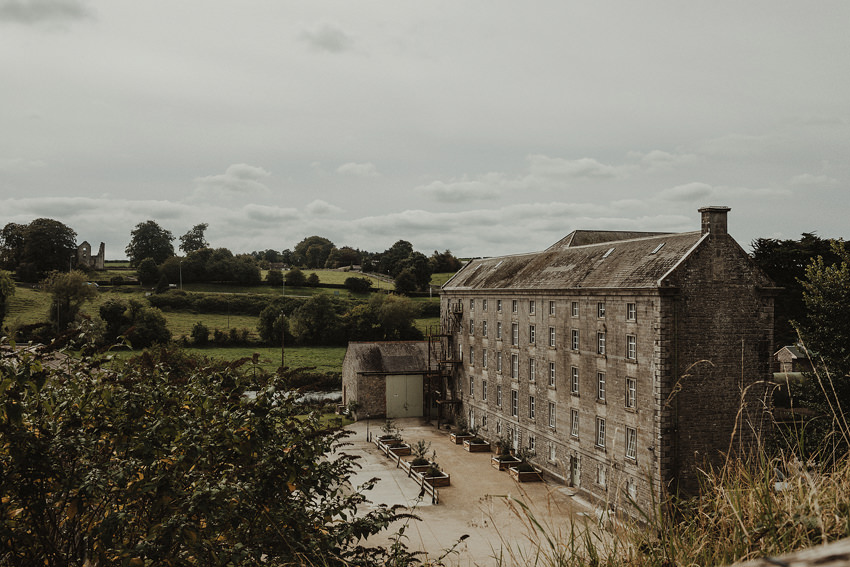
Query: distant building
(623, 360)
(86, 260)
(792, 359)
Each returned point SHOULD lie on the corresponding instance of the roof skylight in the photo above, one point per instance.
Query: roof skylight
(608, 253)
(657, 248)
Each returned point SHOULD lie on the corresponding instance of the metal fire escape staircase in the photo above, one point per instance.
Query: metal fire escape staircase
(443, 359)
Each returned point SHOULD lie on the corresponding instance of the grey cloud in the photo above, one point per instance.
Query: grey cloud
(463, 190)
(687, 192)
(269, 214)
(584, 168)
(809, 180)
(367, 169)
(319, 208)
(19, 164)
(238, 179)
(42, 11)
(659, 160)
(327, 37)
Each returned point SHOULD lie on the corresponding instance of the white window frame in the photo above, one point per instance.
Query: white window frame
(515, 334)
(631, 393)
(484, 358)
(484, 390)
(574, 339)
(483, 328)
(483, 305)
(600, 386)
(532, 443)
(574, 380)
(472, 326)
(532, 407)
(499, 331)
(499, 362)
(600, 342)
(631, 347)
(498, 395)
(515, 366)
(532, 370)
(472, 386)
(600, 432)
(600, 310)
(574, 309)
(550, 450)
(472, 305)
(514, 306)
(532, 334)
(601, 475)
(551, 336)
(514, 403)
(631, 312)
(574, 425)
(551, 308)
(551, 374)
(553, 416)
(631, 443)
(532, 307)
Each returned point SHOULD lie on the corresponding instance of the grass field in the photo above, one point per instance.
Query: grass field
(324, 359)
(438, 280)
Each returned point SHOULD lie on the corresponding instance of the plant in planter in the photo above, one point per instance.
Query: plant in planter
(524, 471)
(434, 475)
(420, 450)
(504, 459)
(390, 431)
(476, 444)
(460, 432)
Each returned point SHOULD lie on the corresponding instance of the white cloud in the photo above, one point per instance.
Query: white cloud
(688, 192)
(39, 11)
(367, 169)
(19, 164)
(268, 214)
(659, 160)
(584, 168)
(809, 180)
(327, 37)
(239, 179)
(465, 190)
(320, 208)
(736, 145)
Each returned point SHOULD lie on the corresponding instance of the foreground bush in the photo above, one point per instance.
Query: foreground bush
(171, 460)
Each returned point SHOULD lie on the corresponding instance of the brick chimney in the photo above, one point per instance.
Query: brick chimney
(714, 220)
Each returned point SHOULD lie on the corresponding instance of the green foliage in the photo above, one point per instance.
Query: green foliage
(317, 322)
(274, 278)
(200, 334)
(194, 238)
(140, 325)
(69, 290)
(7, 290)
(147, 272)
(405, 282)
(444, 262)
(313, 279)
(12, 239)
(35, 249)
(313, 252)
(149, 240)
(295, 278)
(358, 285)
(167, 461)
(162, 284)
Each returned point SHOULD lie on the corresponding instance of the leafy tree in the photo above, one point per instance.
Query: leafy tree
(341, 257)
(396, 317)
(245, 270)
(391, 259)
(274, 278)
(358, 285)
(7, 290)
(48, 245)
(69, 290)
(295, 278)
(317, 322)
(417, 263)
(162, 285)
(785, 262)
(200, 334)
(140, 324)
(313, 279)
(12, 239)
(405, 282)
(444, 262)
(147, 272)
(194, 239)
(272, 323)
(168, 462)
(313, 251)
(149, 240)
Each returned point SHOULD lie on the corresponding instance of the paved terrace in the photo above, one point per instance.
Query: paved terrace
(476, 503)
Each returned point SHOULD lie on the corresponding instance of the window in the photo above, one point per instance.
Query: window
(551, 374)
(600, 342)
(472, 356)
(471, 387)
(484, 358)
(550, 448)
(531, 334)
(574, 423)
(514, 403)
(631, 347)
(484, 390)
(631, 393)
(600, 385)
(551, 308)
(631, 312)
(532, 443)
(601, 475)
(499, 305)
(514, 366)
(531, 307)
(631, 488)
(472, 326)
(472, 305)
(574, 339)
(600, 432)
(484, 421)
(514, 433)
(499, 428)
(532, 370)
(483, 305)
(499, 331)
(498, 395)
(483, 328)
(530, 407)
(514, 306)
(471, 420)
(574, 309)
(552, 416)
(514, 334)
(631, 443)
(574, 380)
(498, 362)
(600, 310)
(551, 336)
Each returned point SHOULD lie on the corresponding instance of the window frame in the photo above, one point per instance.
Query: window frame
(515, 334)
(498, 330)
(551, 308)
(514, 306)
(499, 305)
(574, 423)
(498, 395)
(483, 305)
(631, 393)
(552, 374)
(532, 407)
(631, 312)
(532, 307)
(514, 403)
(600, 309)
(483, 358)
(600, 432)
(499, 362)
(601, 378)
(574, 309)
(484, 328)
(631, 443)
(484, 390)
(600, 342)
(553, 416)
(574, 380)
(551, 336)
(532, 334)
(631, 347)
(532, 370)
(575, 340)
(515, 367)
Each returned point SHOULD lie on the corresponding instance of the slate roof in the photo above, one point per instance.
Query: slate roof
(401, 357)
(795, 351)
(583, 259)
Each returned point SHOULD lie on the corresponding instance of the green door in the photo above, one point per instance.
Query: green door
(404, 396)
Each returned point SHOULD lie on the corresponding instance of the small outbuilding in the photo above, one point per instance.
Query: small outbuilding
(385, 379)
(792, 358)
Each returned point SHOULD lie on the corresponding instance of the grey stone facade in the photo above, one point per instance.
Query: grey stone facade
(626, 360)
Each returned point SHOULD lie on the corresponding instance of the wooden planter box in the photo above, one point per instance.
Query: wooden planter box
(476, 447)
(457, 439)
(419, 469)
(503, 464)
(438, 481)
(402, 450)
(525, 476)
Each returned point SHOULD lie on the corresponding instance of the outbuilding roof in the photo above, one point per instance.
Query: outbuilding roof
(400, 357)
(583, 259)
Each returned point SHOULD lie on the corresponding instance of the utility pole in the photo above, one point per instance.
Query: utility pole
(283, 329)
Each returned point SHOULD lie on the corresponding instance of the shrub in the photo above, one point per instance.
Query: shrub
(200, 334)
(358, 285)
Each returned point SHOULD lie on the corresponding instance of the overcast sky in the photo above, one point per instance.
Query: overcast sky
(486, 127)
